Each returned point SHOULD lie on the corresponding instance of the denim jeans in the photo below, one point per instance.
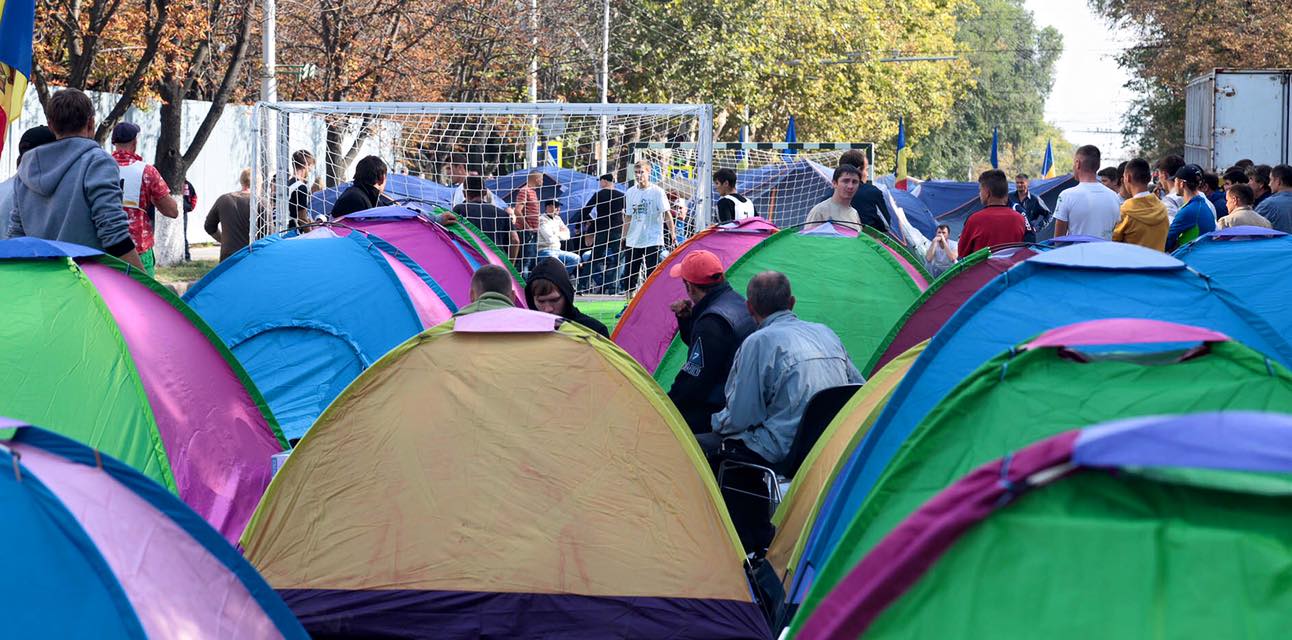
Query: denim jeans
(569, 259)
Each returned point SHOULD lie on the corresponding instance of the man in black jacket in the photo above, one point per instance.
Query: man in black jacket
(549, 290)
(603, 217)
(366, 191)
(869, 202)
(712, 321)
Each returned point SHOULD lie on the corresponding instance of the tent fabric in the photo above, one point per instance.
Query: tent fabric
(799, 508)
(1029, 393)
(917, 213)
(1254, 268)
(28, 247)
(492, 254)
(913, 266)
(1030, 298)
(952, 202)
(401, 188)
(137, 561)
(105, 355)
(447, 259)
(306, 314)
(1207, 542)
(938, 302)
(584, 500)
(648, 325)
(850, 282)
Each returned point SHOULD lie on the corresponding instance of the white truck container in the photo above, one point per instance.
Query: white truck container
(1232, 114)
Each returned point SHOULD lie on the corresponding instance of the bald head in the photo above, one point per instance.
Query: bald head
(491, 278)
(768, 293)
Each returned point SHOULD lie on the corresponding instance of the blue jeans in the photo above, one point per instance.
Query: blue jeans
(528, 251)
(570, 260)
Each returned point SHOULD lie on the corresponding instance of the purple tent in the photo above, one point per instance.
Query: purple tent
(940, 301)
(648, 326)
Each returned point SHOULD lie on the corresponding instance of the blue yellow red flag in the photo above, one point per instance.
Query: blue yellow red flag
(17, 22)
(900, 172)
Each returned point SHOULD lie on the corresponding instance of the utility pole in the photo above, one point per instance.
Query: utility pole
(531, 156)
(268, 77)
(603, 157)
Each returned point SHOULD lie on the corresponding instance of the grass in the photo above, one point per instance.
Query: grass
(605, 310)
(185, 271)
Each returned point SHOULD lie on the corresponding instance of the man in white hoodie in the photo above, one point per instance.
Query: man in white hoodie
(552, 231)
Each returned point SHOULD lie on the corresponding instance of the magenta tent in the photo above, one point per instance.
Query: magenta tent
(647, 327)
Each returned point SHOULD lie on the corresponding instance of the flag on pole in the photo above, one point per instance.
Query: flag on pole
(17, 22)
(741, 162)
(995, 148)
(901, 154)
(1047, 165)
(791, 135)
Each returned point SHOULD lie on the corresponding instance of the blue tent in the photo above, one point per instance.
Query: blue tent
(951, 202)
(557, 183)
(401, 188)
(1252, 263)
(307, 314)
(917, 213)
(1080, 282)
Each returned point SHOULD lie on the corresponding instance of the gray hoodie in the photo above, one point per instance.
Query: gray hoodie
(70, 190)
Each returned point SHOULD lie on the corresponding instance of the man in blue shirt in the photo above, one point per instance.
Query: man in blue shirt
(1277, 208)
(1194, 218)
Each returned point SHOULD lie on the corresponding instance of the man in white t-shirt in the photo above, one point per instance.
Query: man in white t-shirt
(1090, 208)
(646, 221)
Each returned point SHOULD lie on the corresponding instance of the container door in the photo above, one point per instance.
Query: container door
(1240, 131)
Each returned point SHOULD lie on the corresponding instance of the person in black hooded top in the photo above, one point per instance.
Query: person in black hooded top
(367, 190)
(549, 290)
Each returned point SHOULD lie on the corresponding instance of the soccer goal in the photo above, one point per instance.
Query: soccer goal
(435, 150)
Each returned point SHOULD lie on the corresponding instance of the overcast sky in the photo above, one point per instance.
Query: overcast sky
(1088, 93)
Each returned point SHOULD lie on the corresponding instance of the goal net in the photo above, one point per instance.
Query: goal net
(539, 165)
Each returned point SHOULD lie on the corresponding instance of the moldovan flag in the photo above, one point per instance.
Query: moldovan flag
(901, 155)
(1047, 165)
(17, 21)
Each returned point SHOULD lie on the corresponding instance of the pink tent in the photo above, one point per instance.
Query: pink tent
(648, 326)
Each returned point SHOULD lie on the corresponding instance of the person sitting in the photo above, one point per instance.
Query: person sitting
(549, 290)
(942, 252)
(1194, 218)
(367, 189)
(552, 231)
(996, 224)
(1144, 221)
(1239, 201)
(491, 288)
(712, 321)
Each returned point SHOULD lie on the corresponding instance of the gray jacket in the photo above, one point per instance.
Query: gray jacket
(70, 190)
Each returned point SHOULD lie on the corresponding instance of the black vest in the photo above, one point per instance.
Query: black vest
(728, 305)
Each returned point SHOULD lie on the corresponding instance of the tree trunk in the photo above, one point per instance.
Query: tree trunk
(171, 233)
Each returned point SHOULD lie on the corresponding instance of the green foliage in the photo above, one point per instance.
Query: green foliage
(1013, 72)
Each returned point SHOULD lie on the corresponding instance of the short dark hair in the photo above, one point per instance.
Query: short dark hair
(1138, 172)
(1121, 170)
(370, 171)
(845, 170)
(1235, 175)
(1110, 173)
(1242, 194)
(855, 158)
(1170, 165)
(996, 182)
(608, 177)
(551, 203)
(458, 159)
(1261, 174)
(1089, 155)
(1021, 176)
(492, 278)
(1244, 163)
(943, 226)
(725, 176)
(1283, 173)
(769, 292)
(1212, 180)
(69, 111)
(301, 158)
(473, 187)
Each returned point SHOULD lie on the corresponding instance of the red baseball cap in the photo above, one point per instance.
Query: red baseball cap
(698, 267)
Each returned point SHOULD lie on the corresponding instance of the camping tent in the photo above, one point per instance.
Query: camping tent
(1065, 378)
(932, 309)
(449, 259)
(648, 326)
(96, 550)
(1155, 527)
(404, 189)
(103, 354)
(306, 314)
(1251, 262)
(854, 283)
(952, 202)
(461, 488)
(799, 508)
(1051, 289)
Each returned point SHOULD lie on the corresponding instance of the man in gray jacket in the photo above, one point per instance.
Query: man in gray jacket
(70, 190)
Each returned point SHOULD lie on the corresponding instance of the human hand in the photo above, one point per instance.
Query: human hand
(450, 217)
(681, 308)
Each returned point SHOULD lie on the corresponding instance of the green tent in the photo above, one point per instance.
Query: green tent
(1043, 388)
(858, 285)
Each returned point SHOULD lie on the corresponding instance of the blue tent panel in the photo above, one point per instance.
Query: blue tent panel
(1254, 268)
(399, 187)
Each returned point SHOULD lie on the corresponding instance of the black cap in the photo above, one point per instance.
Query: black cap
(124, 132)
(34, 137)
(1190, 173)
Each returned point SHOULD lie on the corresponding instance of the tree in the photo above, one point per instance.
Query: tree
(1178, 41)
(1013, 73)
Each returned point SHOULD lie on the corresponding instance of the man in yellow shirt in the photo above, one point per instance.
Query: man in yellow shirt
(1144, 221)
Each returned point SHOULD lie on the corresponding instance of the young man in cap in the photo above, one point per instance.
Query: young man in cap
(1194, 218)
(713, 321)
(143, 192)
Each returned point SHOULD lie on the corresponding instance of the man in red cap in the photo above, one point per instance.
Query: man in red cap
(713, 320)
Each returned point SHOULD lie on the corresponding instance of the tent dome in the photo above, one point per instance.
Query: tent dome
(1253, 264)
(101, 353)
(96, 550)
(305, 314)
(465, 487)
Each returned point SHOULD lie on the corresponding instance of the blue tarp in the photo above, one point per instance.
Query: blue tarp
(399, 187)
(306, 315)
(1253, 268)
(951, 202)
(1052, 289)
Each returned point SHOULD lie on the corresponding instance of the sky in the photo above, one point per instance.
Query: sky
(1088, 93)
